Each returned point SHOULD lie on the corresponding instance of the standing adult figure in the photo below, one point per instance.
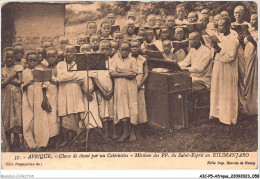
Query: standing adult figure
(251, 68)
(224, 82)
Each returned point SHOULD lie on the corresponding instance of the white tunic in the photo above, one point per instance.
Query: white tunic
(224, 83)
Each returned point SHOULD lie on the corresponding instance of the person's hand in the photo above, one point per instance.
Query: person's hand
(241, 36)
(89, 96)
(30, 83)
(130, 76)
(54, 82)
(139, 87)
(109, 95)
(14, 74)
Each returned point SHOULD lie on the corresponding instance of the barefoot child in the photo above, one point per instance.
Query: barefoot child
(71, 107)
(142, 75)
(35, 122)
(11, 98)
(50, 95)
(89, 94)
(124, 71)
(105, 93)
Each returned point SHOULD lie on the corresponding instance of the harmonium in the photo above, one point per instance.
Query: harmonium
(167, 88)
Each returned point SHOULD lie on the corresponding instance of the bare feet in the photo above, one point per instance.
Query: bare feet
(123, 137)
(132, 137)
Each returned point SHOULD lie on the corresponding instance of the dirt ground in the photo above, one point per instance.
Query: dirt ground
(206, 136)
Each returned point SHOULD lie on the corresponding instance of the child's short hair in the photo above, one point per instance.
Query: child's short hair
(180, 6)
(52, 48)
(113, 41)
(94, 35)
(17, 44)
(110, 12)
(167, 41)
(7, 49)
(31, 53)
(195, 13)
(105, 42)
(170, 16)
(91, 22)
(135, 40)
(69, 46)
(125, 42)
(104, 22)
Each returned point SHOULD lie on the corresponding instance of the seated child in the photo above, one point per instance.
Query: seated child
(85, 48)
(94, 42)
(19, 53)
(105, 93)
(167, 51)
(180, 11)
(180, 53)
(142, 75)
(11, 102)
(124, 71)
(170, 23)
(71, 108)
(193, 17)
(118, 37)
(163, 35)
(106, 31)
(82, 39)
(35, 122)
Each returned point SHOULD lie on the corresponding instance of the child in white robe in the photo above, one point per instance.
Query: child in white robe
(124, 71)
(104, 84)
(35, 121)
(71, 106)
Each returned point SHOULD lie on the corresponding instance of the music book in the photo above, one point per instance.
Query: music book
(180, 44)
(91, 61)
(115, 28)
(77, 48)
(42, 75)
(136, 30)
(192, 27)
(213, 39)
(240, 27)
(155, 54)
(152, 47)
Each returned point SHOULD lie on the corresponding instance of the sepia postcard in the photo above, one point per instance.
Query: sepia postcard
(129, 85)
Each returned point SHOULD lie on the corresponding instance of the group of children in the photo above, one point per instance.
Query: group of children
(54, 112)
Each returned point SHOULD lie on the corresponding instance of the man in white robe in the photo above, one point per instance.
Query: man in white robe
(224, 83)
